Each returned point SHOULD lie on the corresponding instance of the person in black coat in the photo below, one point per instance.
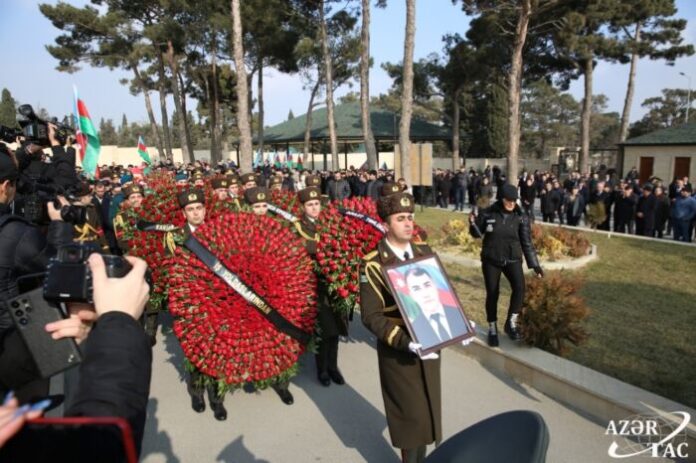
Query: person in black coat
(574, 207)
(624, 204)
(528, 196)
(662, 211)
(645, 211)
(550, 202)
(507, 237)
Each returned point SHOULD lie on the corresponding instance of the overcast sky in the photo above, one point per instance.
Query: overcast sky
(29, 71)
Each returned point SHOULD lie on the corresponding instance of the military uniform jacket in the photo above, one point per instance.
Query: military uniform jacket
(331, 323)
(91, 232)
(410, 386)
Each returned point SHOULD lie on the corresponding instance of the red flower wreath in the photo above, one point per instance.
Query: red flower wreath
(343, 241)
(222, 334)
(286, 200)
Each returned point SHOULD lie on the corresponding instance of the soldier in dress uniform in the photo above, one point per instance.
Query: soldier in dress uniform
(133, 196)
(257, 198)
(315, 181)
(198, 179)
(220, 187)
(192, 203)
(410, 384)
(275, 183)
(91, 232)
(248, 180)
(331, 324)
(234, 190)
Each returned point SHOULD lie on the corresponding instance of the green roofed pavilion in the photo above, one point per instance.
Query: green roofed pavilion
(385, 127)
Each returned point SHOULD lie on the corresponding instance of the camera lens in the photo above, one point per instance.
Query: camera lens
(23, 321)
(19, 313)
(14, 304)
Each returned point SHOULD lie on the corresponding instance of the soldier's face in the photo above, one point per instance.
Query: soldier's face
(248, 185)
(260, 208)
(234, 190)
(221, 193)
(195, 213)
(312, 208)
(135, 200)
(400, 227)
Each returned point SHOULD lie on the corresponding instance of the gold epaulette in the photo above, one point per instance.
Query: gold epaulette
(298, 226)
(370, 255)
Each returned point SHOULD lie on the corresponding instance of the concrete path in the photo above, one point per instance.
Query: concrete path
(340, 423)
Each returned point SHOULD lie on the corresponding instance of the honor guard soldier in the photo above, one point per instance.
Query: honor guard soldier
(234, 190)
(315, 181)
(248, 180)
(220, 187)
(133, 196)
(90, 232)
(198, 179)
(192, 203)
(331, 324)
(257, 198)
(276, 182)
(410, 384)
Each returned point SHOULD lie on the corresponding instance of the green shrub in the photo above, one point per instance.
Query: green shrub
(553, 312)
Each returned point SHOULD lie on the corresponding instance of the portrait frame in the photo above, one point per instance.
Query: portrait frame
(423, 292)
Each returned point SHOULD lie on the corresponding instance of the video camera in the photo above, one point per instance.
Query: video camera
(38, 194)
(35, 129)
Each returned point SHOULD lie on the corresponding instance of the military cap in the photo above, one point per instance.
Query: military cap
(131, 190)
(308, 194)
(248, 177)
(220, 182)
(312, 180)
(390, 188)
(189, 197)
(276, 180)
(395, 204)
(198, 175)
(257, 194)
(232, 179)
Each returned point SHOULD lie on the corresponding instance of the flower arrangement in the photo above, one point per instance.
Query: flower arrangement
(221, 333)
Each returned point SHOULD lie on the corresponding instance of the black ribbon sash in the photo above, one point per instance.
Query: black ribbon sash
(365, 218)
(144, 225)
(281, 212)
(213, 263)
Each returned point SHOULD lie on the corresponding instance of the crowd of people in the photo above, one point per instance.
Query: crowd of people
(603, 201)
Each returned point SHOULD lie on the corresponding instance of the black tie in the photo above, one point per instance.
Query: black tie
(406, 256)
(441, 332)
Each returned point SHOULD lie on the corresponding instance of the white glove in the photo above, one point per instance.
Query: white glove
(468, 341)
(414, 347)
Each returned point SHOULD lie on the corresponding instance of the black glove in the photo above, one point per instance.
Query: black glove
(539, 271)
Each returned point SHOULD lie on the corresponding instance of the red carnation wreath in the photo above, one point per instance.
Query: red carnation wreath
(343, 241)
(223, 335)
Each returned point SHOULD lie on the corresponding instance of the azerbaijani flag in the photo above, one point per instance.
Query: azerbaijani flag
(87, 137)
(142, 151)
(276, 160)
(288, 162)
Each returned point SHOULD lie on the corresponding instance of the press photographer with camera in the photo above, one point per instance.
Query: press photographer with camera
(24, 250)
(114, 375)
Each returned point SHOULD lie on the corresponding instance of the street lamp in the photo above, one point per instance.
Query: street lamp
(688, 96)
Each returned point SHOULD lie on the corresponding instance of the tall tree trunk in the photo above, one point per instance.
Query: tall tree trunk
(308, 118)
(184, 110)
(455, 130)
(215, 128)
(183, 135)
(242, 91)
(163, 105)
(407, 92)
(515, 91)
(212, 122)
(328, 78)
(259, 133)
(156, 135)
(587, 67)
(625, 116)
(368, 136)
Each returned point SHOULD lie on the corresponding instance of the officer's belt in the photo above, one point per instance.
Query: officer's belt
(276, 319)
(365, 218)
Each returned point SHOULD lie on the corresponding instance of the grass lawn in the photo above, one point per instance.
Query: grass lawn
(642, 296)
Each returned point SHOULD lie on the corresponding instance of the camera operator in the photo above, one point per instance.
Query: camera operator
(116, 370)
(24, 250)
(61, 170)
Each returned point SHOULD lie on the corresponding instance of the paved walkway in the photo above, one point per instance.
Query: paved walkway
(340, 423)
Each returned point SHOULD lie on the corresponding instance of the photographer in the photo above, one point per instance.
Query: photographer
(117, 366)
(61, 170)
(24, 250)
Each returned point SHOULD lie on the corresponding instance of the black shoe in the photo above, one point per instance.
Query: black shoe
(219, 411)
(493, 339)
(285, 396)
(512, 332)
(324, 378)
(197, 403)
(336, 377)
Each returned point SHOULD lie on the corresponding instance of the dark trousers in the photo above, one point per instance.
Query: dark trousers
(549, 218)
(491, 277)
(641, 229)
(443, 200)
(416, 455)
(195, 388)
(460, 195)
(681, 230)
(327, 355)
(529, 210)
(620, 226)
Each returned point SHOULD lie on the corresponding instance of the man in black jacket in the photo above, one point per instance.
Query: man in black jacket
(550, 202)
(506, 238)
(645, 211)
(24, 250)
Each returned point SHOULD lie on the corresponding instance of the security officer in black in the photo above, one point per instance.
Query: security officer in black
(331, 324)
(507, 236)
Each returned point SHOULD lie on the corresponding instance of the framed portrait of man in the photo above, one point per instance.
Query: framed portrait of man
(428, 303)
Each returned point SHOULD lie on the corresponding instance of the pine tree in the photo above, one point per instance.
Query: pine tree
(498, 119)
(8, 109)
(291, 116)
